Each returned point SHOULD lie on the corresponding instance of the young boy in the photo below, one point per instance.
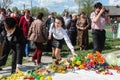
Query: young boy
(99, 19)
(14, 40)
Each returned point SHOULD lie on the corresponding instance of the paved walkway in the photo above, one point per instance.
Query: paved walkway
(27, 66)
(77, 75)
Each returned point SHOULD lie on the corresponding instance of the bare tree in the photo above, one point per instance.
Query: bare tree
(5, 3)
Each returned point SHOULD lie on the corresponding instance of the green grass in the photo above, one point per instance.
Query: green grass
(109, 47)
(9, 61)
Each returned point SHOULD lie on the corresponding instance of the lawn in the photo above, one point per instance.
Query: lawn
(109, 47)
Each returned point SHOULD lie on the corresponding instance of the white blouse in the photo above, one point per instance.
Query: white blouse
(60, 33)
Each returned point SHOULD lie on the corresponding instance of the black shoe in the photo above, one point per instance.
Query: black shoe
(13, 71)
(53, 57)
(1, 69)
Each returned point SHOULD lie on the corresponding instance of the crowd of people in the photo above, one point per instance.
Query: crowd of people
(18, 30)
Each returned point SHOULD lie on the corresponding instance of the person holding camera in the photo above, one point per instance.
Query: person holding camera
(99, 19)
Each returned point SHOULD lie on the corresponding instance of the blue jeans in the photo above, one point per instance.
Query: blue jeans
(27, 47)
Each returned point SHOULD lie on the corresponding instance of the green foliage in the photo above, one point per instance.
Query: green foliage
(88, 6)
(70, 11)
(85, 5)
(15, 9)
(35, 10)
(65, 10)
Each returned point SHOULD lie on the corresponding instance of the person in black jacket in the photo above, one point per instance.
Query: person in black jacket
(14, 40)
(1, 36)
(72, 29)
(49, 21)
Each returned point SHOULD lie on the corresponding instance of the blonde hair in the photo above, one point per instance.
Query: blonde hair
(74, 14)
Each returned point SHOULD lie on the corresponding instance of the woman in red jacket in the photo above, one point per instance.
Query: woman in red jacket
(25, 22)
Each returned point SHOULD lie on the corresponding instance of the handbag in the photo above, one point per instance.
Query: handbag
(32, 37)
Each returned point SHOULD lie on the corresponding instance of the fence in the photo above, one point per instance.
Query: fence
(113, 31)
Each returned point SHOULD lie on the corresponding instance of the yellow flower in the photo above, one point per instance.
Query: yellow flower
(49, 78)
(42, 78)
(78, 63)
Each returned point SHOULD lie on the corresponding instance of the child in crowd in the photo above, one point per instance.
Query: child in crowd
(57, 34)
(14, 40)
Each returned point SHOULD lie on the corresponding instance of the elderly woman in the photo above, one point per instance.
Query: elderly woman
(82, 31)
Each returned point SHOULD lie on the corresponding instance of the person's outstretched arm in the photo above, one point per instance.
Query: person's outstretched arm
(68, 42)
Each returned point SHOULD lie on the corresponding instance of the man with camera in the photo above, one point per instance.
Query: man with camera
(99, 19)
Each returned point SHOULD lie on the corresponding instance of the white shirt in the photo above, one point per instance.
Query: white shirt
(66, 19)
(60, 33)
(9, 35)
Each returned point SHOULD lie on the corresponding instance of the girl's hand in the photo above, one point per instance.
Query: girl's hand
(74, 53)
(49, 37)
(17, 70)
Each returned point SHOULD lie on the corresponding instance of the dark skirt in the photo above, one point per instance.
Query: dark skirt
(57, 43)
